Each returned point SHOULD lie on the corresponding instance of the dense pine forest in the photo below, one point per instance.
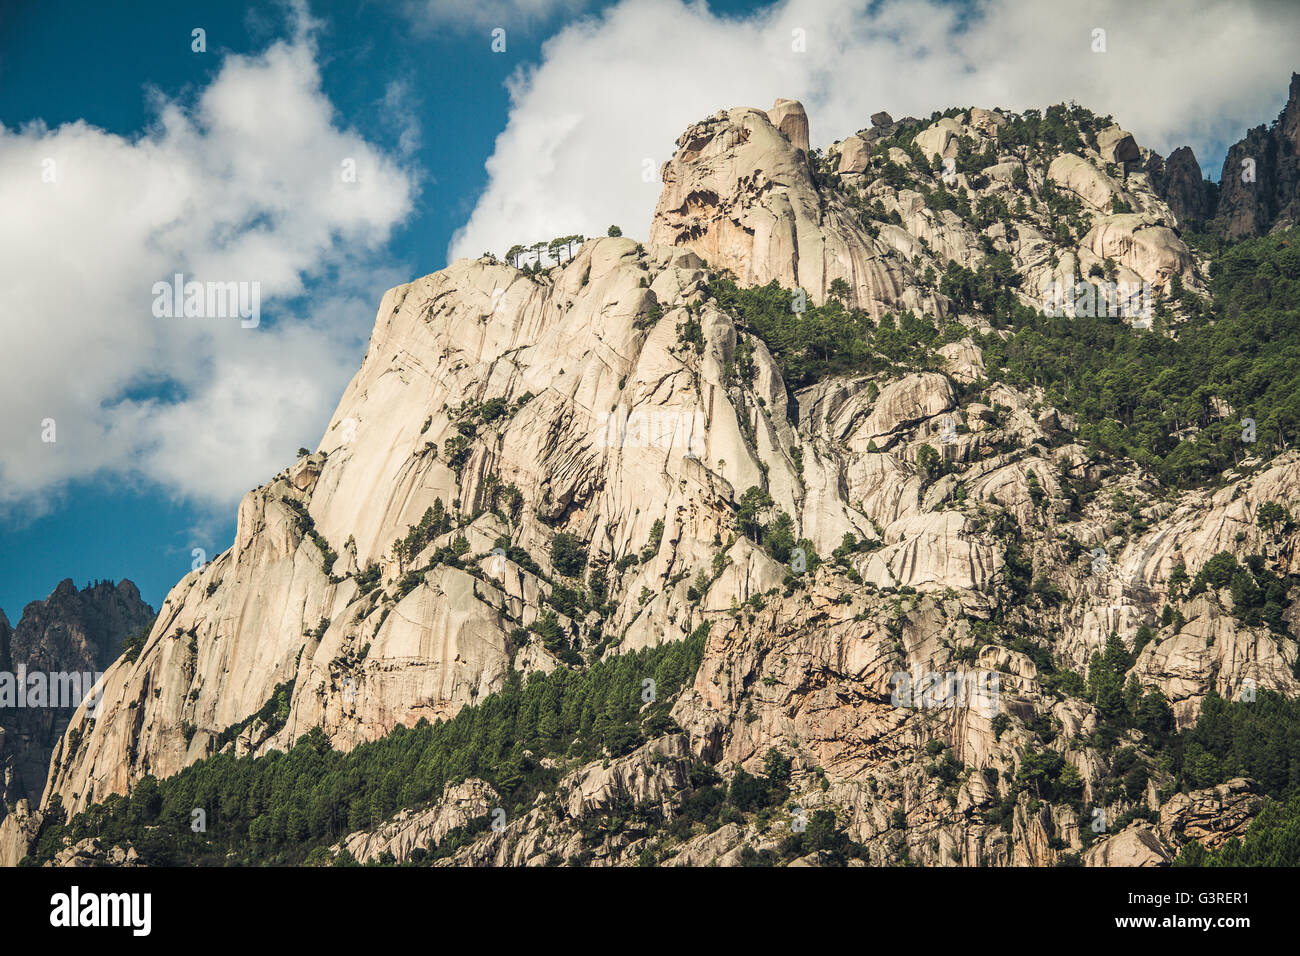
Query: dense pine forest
(289, 807)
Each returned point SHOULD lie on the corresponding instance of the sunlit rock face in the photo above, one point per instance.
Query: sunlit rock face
(602, 399)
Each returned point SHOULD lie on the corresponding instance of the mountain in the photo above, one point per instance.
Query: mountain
(71, 631)
(1179, 183)
(1258, 189)
(1270, 199)
(750, 201)
(809, 530)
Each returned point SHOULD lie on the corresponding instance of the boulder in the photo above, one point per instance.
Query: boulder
(1117, 146)
(1085, 180)
(1138, 845)
(965, 360)
(986, 120)
(789, 117)
(1152, 251)
(1212, 816)
(939, 139)
(854, 156)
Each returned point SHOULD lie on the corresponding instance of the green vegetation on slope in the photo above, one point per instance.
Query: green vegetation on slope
(1258, 739)
(1273, 839)
(1136, 393)
(825, 340)
(1133, 390)
(278, 808)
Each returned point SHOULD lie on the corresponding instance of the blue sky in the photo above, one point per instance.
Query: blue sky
(129, 527)
(126, 525)
(161, 431)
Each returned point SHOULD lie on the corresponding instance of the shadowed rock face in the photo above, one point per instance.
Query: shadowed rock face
(1184, 188)
(604, 398)
(1271, 155)
(70, 631)
(1259, 189)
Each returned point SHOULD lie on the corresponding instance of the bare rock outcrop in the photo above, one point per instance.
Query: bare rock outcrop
(1137, 845)
(740, 194)
(1152, 251)
(1212, 816)
(461, 804)
(1260, 182)
(1085, 180)
(1181, 184)
(789, 117)
(1117, 146)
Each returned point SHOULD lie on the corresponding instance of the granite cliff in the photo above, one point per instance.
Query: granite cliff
(535, 469)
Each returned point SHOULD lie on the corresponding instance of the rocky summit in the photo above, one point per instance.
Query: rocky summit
(926, 498)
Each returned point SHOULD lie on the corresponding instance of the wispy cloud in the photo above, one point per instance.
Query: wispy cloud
(489, 14)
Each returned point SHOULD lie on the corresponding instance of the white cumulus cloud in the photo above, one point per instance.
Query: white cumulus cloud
(249, 184)
(611, 94)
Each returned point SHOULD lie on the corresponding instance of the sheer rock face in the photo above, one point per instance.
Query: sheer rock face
(739, 193)
(70, 632)
(602, 398)
(1241, 661)
(1260, 183)
(562, 354)
(931, 551)
(1203, 523)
